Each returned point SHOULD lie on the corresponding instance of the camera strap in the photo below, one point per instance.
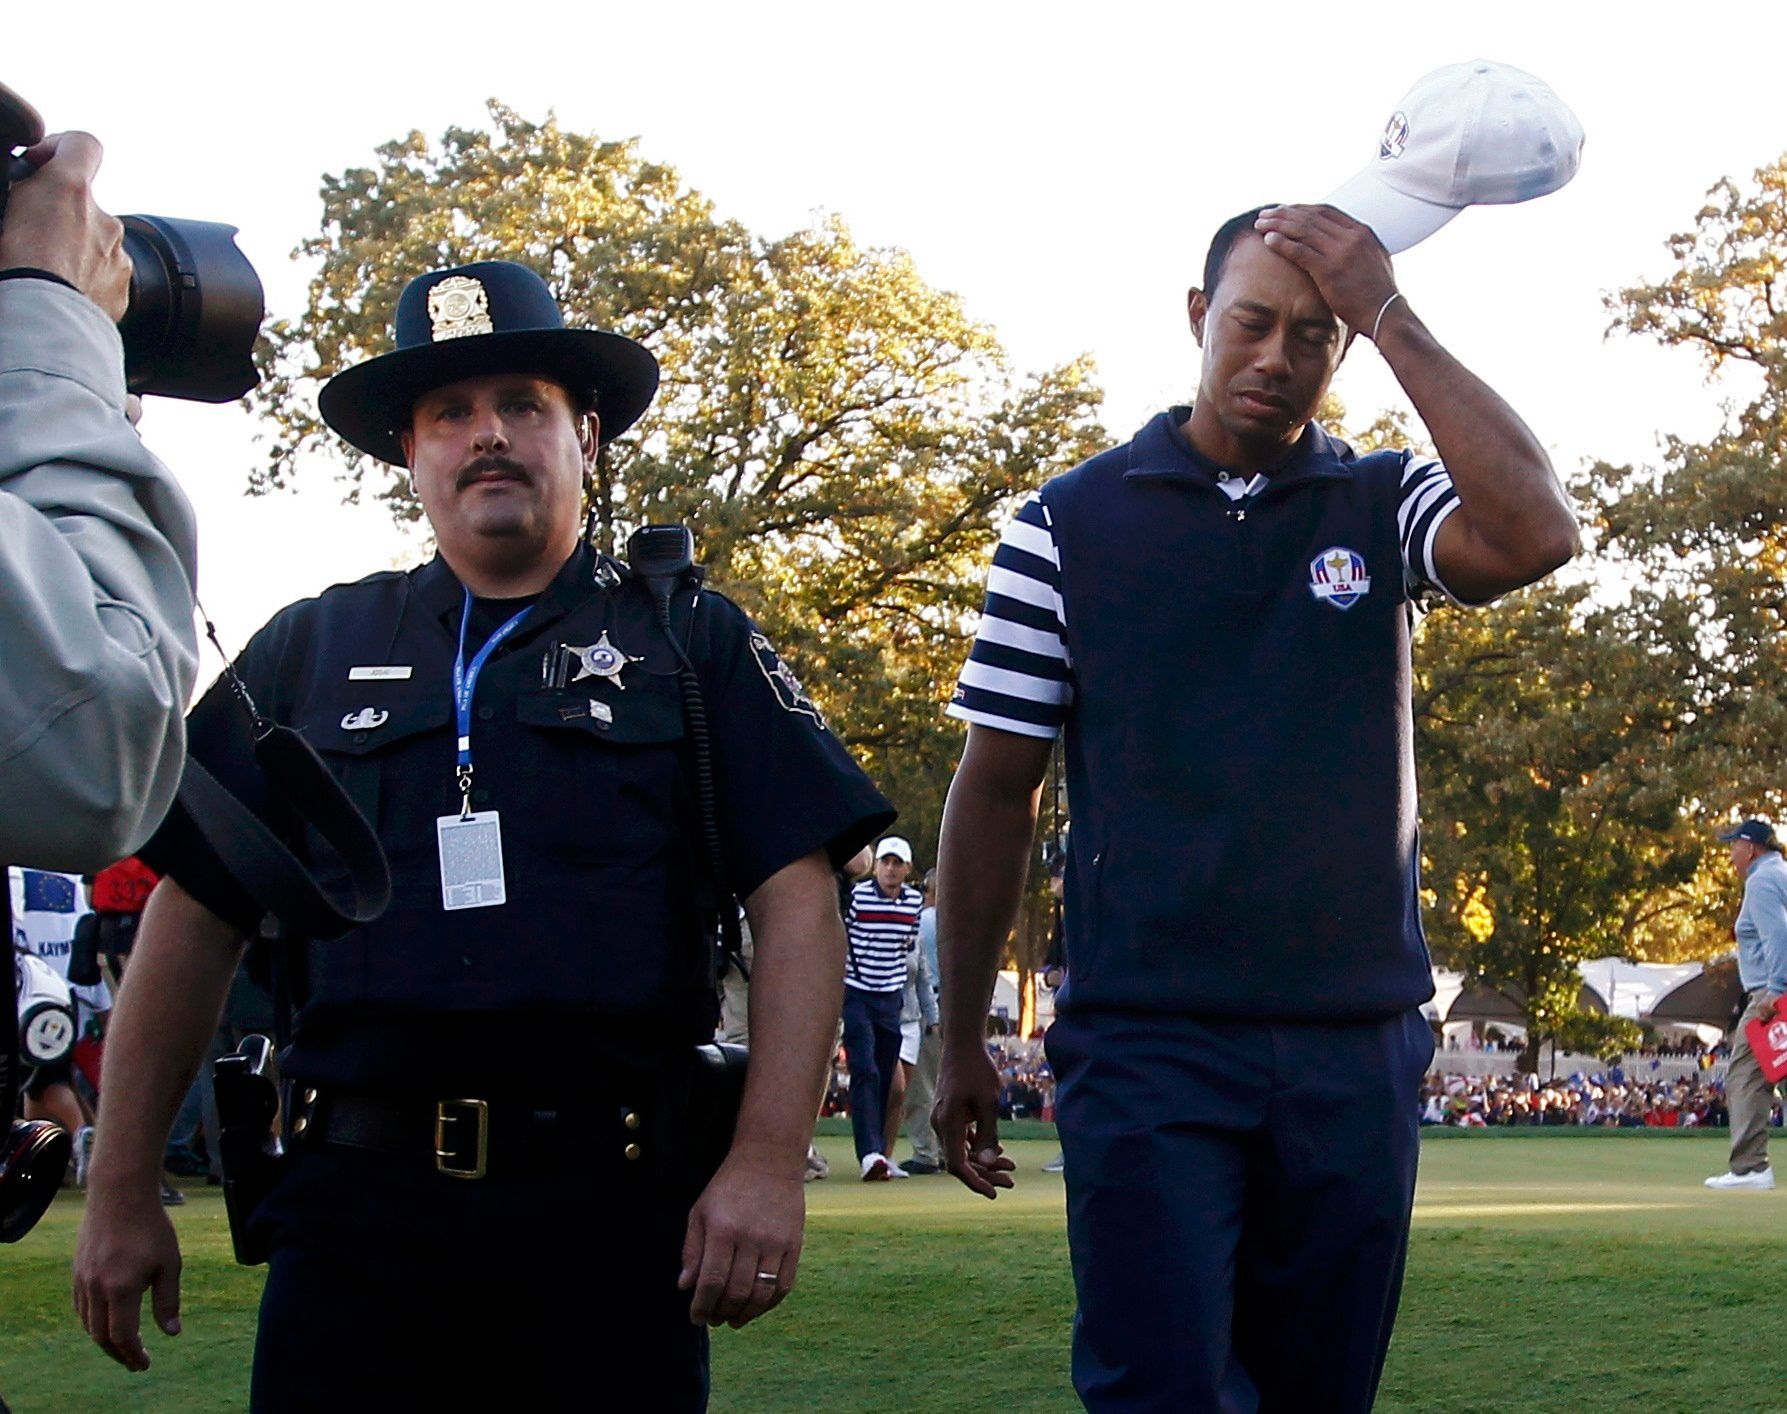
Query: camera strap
(258, 859)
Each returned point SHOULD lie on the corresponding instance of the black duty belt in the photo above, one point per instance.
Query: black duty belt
(472, 1138)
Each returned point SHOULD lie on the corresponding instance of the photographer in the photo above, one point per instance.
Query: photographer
(97, 543)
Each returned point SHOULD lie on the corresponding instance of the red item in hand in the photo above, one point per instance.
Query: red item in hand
(89, 1054)
(1767, 1036)
(124, 887)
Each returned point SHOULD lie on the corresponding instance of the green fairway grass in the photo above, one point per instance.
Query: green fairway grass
(1585, 1272)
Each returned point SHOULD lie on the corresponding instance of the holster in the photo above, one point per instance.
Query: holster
(714, 1091)
(249, 1145)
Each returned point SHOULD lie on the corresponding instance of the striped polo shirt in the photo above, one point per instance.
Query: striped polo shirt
(1019, 676)
(881, 932)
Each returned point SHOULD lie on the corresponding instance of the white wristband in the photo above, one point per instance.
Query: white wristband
(1380, 314)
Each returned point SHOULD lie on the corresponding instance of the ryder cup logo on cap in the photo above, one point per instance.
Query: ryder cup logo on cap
(1338, 576)
(1395, 138)
(1466, 135)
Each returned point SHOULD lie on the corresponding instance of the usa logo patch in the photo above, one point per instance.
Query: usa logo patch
(1338, 576)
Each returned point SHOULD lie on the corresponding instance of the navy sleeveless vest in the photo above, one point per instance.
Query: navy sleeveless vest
(1239, 750)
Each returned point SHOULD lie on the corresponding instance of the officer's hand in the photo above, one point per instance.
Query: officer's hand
(126, 1246)
(52, 223)
(1342, 256)
(747, 1222)
(966, 1118)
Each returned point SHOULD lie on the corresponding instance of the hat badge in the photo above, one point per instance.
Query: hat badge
(1396, 137)
(458, 307)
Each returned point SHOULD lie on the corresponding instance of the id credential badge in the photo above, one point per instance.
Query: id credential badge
(471, 842)
(471, 860)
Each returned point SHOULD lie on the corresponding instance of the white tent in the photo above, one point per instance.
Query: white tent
(1007, 1002)
(1632, 988)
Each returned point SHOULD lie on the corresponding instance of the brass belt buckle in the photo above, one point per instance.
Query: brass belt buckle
(450, 1156)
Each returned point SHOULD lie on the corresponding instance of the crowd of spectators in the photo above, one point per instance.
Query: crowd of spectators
(1027, 1084)
(1610, 1101)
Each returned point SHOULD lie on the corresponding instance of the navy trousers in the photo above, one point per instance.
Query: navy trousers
(394, 1287)
(872, 1039)
(1238, 1200)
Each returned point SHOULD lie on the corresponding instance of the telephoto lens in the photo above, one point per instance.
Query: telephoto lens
(196, 304)
(195, 310)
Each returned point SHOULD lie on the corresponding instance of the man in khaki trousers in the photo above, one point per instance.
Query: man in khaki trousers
(1761, 930)
(921, 1078)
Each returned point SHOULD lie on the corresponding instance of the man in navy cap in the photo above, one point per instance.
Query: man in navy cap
(499, 1190)
(1756, 855)
(1218, 614)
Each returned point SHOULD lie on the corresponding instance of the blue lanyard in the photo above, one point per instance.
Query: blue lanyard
(465, 685)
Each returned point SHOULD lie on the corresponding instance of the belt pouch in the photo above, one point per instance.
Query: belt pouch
(253, 1158)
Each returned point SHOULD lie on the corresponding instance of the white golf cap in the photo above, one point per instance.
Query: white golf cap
(895, 846)
(1468, 134)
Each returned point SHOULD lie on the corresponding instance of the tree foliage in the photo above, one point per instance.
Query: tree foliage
(844, 440)
(1579, 745)
(1589, 1033)
(1707, 529)
(1551, 734)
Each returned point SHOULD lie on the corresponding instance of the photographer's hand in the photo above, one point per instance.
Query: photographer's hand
(52, 223)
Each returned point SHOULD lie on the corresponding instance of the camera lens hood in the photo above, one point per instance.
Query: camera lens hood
(195, 310)
(33, 1160)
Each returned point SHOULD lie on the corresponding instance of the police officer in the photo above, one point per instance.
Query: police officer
(497, 1185)
(1218, 613)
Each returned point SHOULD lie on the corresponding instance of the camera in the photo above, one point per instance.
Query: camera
(36, 1028)
(196, 303)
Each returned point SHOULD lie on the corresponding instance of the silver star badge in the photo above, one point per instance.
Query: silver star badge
(601, 659)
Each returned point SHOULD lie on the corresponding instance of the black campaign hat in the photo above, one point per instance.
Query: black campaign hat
(493, 316)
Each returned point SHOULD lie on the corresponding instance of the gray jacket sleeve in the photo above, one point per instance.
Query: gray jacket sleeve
(928, 980)
(98, 557)
(1768, 891)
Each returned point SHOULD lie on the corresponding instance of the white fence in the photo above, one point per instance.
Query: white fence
(1636, 1067)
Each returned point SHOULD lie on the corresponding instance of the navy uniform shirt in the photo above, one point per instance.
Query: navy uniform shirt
(600, 941)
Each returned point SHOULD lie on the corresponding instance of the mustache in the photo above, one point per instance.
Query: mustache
(482, 466)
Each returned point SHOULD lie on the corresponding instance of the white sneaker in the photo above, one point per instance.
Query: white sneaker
(1761, 1179)
(816, 1164)
(895, 1171)
(1056, 1164)
(875, 1168)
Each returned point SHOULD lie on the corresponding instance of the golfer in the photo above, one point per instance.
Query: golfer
(1756, 855)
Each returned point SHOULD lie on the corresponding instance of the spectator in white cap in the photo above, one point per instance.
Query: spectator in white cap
(881, 925)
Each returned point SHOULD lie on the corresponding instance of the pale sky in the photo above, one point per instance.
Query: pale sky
(1061, 168)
